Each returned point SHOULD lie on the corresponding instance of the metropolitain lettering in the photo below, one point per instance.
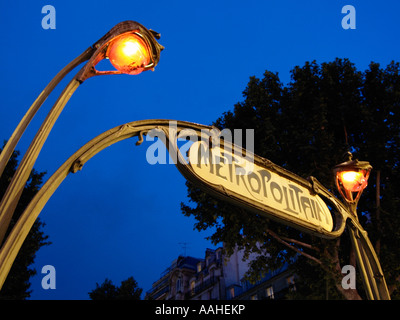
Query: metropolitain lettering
(237, 174)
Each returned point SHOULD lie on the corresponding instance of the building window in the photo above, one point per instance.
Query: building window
(192, 286)
(269, 292)
(290, 280)
(254, 297)
(199, 267)
(290, 283)
(178, 285)
(232, 292)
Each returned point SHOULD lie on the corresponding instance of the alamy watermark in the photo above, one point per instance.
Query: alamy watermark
(349, 20)
(49, 20)
(349, 280)
(49, 280)
(228, 144)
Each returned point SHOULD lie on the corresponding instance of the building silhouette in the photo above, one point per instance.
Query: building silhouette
(217, 277)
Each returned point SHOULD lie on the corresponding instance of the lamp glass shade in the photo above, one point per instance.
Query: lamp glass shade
(129, 54)
(353, 181)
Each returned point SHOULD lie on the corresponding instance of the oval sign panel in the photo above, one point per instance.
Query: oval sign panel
(247, 182)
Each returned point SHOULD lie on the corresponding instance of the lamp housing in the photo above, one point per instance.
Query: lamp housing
(130, 47)
(351, 178)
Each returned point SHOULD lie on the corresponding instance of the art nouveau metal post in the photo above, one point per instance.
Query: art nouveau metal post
(351, 179)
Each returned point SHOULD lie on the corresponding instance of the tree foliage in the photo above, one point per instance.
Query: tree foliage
(306, 126)
(18, 283)
(128, 290)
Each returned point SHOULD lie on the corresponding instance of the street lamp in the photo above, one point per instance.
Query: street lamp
(351, 178)
(131, 48)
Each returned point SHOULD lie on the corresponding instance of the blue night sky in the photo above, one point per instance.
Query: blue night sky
(120, 216)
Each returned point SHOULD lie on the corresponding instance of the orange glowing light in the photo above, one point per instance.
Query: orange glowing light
(129, 54)
(353, 181)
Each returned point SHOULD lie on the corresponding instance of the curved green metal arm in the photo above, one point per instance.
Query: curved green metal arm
(18, 234)
(19, 130)
(14, 190)
(372, 275)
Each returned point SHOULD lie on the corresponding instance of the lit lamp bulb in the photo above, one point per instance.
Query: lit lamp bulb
(351, 178)
(353, 181)
(129, 54)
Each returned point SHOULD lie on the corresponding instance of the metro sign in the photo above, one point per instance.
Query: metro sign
(258, 185)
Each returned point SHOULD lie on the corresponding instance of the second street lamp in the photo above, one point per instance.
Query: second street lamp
(351, 178)
(131, 47)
